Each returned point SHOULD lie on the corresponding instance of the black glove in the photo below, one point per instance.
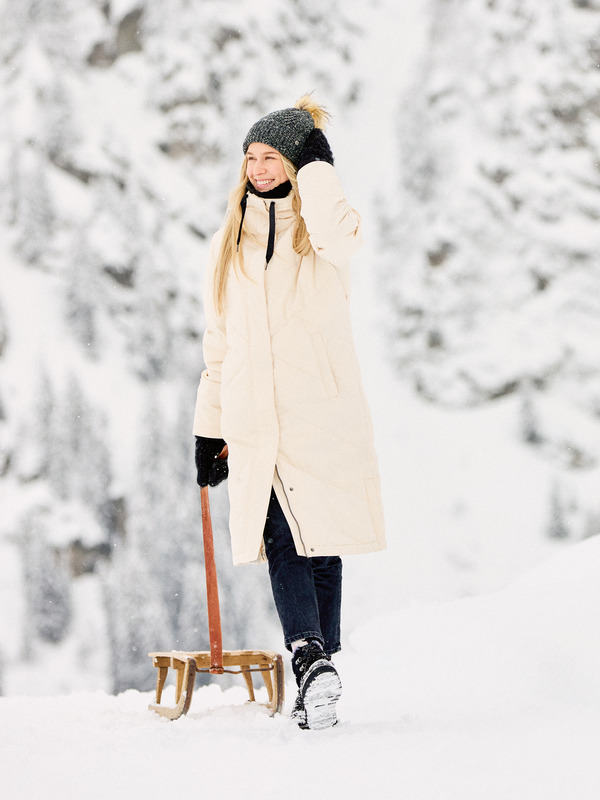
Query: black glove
(316, 148)
(211, 469)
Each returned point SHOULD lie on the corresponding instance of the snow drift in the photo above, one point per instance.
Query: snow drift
(491, 697)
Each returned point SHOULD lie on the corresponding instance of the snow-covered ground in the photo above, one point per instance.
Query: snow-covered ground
(495, 697)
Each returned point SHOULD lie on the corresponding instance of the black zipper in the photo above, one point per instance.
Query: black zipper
(271, 239)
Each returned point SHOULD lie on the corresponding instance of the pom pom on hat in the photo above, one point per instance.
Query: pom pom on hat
(318, 113)
(287, 129)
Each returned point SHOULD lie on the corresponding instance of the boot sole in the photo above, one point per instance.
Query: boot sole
(323, 690)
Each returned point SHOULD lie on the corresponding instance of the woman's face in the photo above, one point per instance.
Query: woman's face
(264, 167)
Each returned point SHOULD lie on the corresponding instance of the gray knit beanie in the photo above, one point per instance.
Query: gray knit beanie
(285, 130)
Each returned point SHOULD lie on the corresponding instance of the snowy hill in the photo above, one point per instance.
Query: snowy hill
(491, 697)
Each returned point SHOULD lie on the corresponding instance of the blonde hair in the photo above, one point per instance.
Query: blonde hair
(229, 254)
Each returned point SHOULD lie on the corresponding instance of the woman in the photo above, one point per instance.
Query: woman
(282, 387)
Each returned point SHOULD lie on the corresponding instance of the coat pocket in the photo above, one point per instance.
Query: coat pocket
(327, 376)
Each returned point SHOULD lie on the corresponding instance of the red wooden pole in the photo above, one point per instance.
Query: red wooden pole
(212, 588)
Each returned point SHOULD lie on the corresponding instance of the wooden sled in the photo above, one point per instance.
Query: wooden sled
(243, 662)
(217, 661)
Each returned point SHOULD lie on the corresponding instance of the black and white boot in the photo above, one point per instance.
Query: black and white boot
(319, 687)
(298, 714)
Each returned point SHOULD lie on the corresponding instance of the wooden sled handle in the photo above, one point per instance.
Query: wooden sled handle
(212, 588)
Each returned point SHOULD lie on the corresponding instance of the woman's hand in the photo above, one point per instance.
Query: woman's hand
(212, 470)
(316, 148)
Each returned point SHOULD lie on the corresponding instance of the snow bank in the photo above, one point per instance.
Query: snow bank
(492, 697)
(514, 652)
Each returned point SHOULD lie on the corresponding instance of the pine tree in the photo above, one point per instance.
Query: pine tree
(96, 475)
(67, 465)
(44, 409)
(36, 217)
(155, 511)
(34, 453)
(3, 329)
(558, 526)
(530, 427)
(56, 122)
(79, 458)
(11, 193)
(151, 340)
(136, 621)
(47, 585)
(80, 293)
(60, 462)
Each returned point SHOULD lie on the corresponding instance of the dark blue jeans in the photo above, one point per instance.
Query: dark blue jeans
(307, 591)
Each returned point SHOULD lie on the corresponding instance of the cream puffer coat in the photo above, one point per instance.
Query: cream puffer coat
(282, 382)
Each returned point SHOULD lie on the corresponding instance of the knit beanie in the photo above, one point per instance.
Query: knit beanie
(287, 129)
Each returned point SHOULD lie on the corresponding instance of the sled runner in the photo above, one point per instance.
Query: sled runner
(216, 662)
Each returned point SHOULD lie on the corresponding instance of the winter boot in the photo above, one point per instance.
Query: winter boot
(319, 687)
(298, 714)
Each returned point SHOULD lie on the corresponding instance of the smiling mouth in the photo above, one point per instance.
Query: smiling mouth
(264, 183)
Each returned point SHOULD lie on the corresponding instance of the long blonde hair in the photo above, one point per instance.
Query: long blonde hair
(229, 253)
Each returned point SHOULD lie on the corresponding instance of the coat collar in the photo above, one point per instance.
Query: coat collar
(283, 205)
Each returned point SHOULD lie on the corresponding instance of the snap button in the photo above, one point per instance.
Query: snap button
(291, 488)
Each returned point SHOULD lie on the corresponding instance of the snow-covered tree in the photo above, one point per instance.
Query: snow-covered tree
(81, 293)
(496, 236)
(11, 184)
(96, 473)
(34, 453)
(69, 419)
(530, 426)
(558, 524)
(155, 519)
(150, 341)
(136, 621)
(3, 328)
(47, 585)
(56, 121)
(36, 216)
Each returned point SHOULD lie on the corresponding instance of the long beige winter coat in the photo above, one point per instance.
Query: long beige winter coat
(282, 382)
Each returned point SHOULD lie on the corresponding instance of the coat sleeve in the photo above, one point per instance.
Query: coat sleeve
(334, 227)
(207, 415)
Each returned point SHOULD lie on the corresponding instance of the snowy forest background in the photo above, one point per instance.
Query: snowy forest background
(476, 166)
